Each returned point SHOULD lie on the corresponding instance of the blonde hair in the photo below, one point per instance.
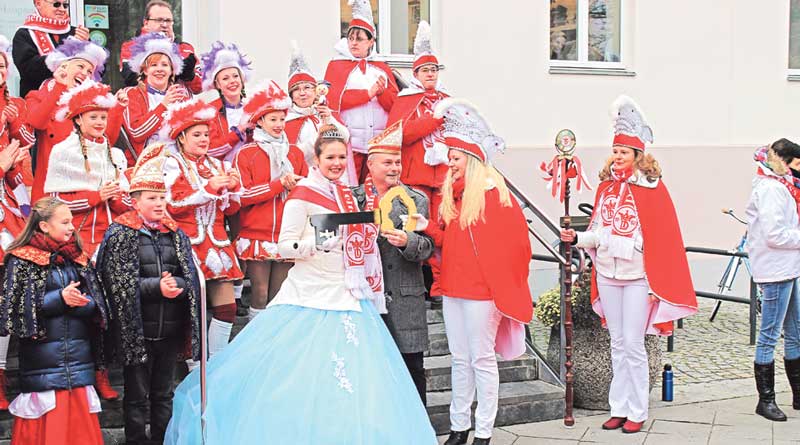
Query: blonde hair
(473, 203)
(643, 163)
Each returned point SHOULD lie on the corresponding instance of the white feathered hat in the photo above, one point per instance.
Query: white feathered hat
(73, 48)
(268, 97)
(220, 57)
(466, 130)
(86, 96)
(182, 115)
(154, 43)
(362, 16)
(630, 126)
(299, 71)
(423, 52)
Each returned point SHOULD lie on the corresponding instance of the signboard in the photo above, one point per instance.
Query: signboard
(98, 37)
(96, 16)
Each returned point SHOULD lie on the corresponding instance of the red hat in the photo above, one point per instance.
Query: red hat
(182, 115)
(299, 71)
(423, 54)
(148, 174)
(630, 127)
(389, 142)
(362, 16)
(266, 99)
(88, 96)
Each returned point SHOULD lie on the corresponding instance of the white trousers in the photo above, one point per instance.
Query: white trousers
(626, 305)
(471, 328)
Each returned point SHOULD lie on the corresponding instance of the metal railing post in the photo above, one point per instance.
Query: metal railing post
(753, 314)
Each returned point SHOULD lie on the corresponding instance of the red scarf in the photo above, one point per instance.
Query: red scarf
(429, 100)
(41, 28)
(618, 211)
(62, 250)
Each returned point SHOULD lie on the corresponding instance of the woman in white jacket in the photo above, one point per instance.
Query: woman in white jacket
(773, 243)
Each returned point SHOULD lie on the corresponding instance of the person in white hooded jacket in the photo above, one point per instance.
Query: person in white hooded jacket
(773, 244)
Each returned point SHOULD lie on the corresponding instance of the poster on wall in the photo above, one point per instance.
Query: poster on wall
(96, 16)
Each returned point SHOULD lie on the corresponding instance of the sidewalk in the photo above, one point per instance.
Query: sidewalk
(697, 419)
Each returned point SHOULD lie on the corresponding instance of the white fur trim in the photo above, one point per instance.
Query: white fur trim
(92, 53)
(444, 104)
(224, 59)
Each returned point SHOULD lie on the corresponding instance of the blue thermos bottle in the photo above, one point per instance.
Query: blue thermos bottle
(666, 383)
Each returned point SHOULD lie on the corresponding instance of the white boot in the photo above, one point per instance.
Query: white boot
(219, 334)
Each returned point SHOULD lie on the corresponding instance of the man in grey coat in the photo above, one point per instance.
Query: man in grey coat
(402, 255)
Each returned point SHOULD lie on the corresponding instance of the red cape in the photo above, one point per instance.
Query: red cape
(504, 255)
(337, 73)
(665, 263)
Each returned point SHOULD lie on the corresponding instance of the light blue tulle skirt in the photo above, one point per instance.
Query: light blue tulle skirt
(297, 375)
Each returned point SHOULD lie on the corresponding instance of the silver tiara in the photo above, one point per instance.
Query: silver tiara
(333, 133)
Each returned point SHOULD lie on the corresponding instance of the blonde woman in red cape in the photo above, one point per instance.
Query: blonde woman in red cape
(201, 190)
(485, 264)
(640, 281)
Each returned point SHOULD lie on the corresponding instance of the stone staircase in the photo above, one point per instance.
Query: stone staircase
(523, 397)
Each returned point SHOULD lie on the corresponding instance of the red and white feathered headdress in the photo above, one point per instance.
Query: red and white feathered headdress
(221, 57)
(182, 115)
(267, 98)
(299, 71)
(88, 96)
(148, 174)
(466, 130)
(154, 43)
(630, 126)
(362, 16)
(73, 48)
(423, 52)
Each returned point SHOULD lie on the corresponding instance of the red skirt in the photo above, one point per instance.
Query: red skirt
(69, 423)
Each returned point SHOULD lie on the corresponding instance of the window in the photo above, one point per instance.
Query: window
(794, 37)
(586, 33)
(396, 22)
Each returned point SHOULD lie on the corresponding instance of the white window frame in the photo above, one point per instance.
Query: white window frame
(384, 45)
(583, 62)
(792, 73)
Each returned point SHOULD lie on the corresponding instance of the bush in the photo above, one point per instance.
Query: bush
(548, 307)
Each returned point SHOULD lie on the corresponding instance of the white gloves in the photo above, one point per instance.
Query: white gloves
(422, 222)
(331, 244)
(304, 248)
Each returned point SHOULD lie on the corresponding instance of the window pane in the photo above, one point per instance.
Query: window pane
(347, 15)
(406, 15)
(563, 29)
(794, 35)
(604, 30)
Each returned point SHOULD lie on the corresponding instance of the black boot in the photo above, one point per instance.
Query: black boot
(479, 441)
(457, 438)
(793, 372)
(765, 384)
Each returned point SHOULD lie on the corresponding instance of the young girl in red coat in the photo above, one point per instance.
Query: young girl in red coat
(86, 172)
(485, 263)
(201, 190)
(155, 59)
(270, 168)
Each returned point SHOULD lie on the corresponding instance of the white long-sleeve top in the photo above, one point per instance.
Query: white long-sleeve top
(773, 231)
(315, 281)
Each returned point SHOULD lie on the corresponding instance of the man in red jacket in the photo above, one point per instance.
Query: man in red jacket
(424, 167)
(158, 18)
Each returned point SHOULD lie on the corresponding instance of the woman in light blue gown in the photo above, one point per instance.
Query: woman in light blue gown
(318, 366)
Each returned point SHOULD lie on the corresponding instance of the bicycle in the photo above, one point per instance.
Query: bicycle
(729, 276)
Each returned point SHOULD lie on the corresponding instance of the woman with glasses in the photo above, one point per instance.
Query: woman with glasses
(158, 19)
(309, 112)
(363, 88)
(41, 34)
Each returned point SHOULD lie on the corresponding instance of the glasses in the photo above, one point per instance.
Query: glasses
(161, 21)
(430, 70)
(64, 5)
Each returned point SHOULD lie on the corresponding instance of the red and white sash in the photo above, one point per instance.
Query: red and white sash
(617, 210)
(41, 28)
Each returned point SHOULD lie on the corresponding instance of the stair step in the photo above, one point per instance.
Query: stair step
(437, 340)
(437, 371)
(519, 402)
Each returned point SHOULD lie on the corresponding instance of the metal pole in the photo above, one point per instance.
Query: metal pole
(203, 345)
(566, 251)
(753, 317)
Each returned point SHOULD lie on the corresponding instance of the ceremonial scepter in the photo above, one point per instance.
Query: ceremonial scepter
(203, 343)
(566, 165)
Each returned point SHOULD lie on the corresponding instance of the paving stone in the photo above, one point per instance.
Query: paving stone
(552, 430)
(683, 430)
(598, 435)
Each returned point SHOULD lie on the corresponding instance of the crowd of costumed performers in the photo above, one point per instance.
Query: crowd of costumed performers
(109, 254)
